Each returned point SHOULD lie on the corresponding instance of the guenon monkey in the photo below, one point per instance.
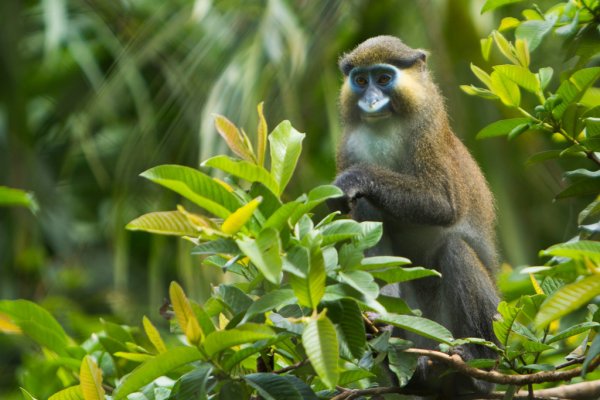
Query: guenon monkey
(400, 163)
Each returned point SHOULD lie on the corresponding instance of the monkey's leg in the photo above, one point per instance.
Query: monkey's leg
(469, 305)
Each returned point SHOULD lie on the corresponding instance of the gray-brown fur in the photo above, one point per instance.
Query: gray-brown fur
(412, 173)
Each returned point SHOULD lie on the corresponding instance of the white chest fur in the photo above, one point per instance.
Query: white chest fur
(376, 143)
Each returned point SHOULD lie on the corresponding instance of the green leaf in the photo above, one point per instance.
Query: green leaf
(247, 333)
(321, 345)
(533, 32)
(16, 197)
(234, 138)
(476, 91)
(309, 287)
(243, 169)
(370, 234)
(394, 305)
(493, 4)
(193, 384)
(281, 217)
(90, 377)
(361, 281)
(219, 246)
(70, 393)
(572, 331)
(286, 145)
(273, 386)
(421, 326)
(572, 90)
(592, 353)
(232, 360)
(504, 326)
(592, 127)
(507, 90)
(347, 317)
(521, 76)
(583, 187)
(381, 262)
(482, 75)
(568, 299)
(398, 274)
(164, 223)
(486, 47)
(154, 368)
(501, 128)
(535, 347)
(576, 250)
(402, 364)
(28, 395)
(354, 375)
(272, 300)
(545, 75)
(337, 231)
(543, 156)
(195, 186)
(37, 323)
(264, 252)
(235, 298)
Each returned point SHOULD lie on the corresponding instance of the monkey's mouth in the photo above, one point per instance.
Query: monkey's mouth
(375, 116)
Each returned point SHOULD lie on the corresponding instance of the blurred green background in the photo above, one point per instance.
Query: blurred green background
(92, 93)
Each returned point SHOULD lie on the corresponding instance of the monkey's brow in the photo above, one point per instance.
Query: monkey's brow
(405, 62)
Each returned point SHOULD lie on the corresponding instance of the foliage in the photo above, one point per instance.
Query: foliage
(564, 105)
(292, 324)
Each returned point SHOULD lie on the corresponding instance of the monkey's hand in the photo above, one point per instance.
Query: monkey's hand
(355, 183)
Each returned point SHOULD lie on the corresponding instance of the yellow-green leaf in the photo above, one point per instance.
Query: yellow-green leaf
(70, 393)
(568, 299)
(243, 169)
(135, 357)
(261, 146)
(508, 23)
(7, 326)
(234, 138)
(239, 217)
(482, 75)
(246, 333)
(521, 76)
(90, 379)
(486, 47)
(522, 51)
(505, 47)
(507, 90)
(164, 223)
(186, 319)
(154, 335)
(286, 146)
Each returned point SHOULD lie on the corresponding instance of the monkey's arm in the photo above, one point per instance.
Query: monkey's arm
(403, 196)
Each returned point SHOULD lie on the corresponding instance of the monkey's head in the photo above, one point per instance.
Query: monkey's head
(384, 78)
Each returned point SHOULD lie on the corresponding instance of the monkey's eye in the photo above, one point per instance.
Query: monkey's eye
(384, 79)
(360, 81)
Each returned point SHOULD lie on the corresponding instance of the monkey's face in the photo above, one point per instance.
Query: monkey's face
(384, 79)
(374, 86)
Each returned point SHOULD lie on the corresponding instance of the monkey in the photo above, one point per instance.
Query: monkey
(400, 163)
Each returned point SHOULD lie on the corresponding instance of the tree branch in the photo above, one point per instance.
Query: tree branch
(459, 365)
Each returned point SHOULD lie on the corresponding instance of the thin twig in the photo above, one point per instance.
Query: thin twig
(291, 367)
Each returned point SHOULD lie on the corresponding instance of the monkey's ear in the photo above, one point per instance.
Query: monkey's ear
(423, 54)
(345, 65)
